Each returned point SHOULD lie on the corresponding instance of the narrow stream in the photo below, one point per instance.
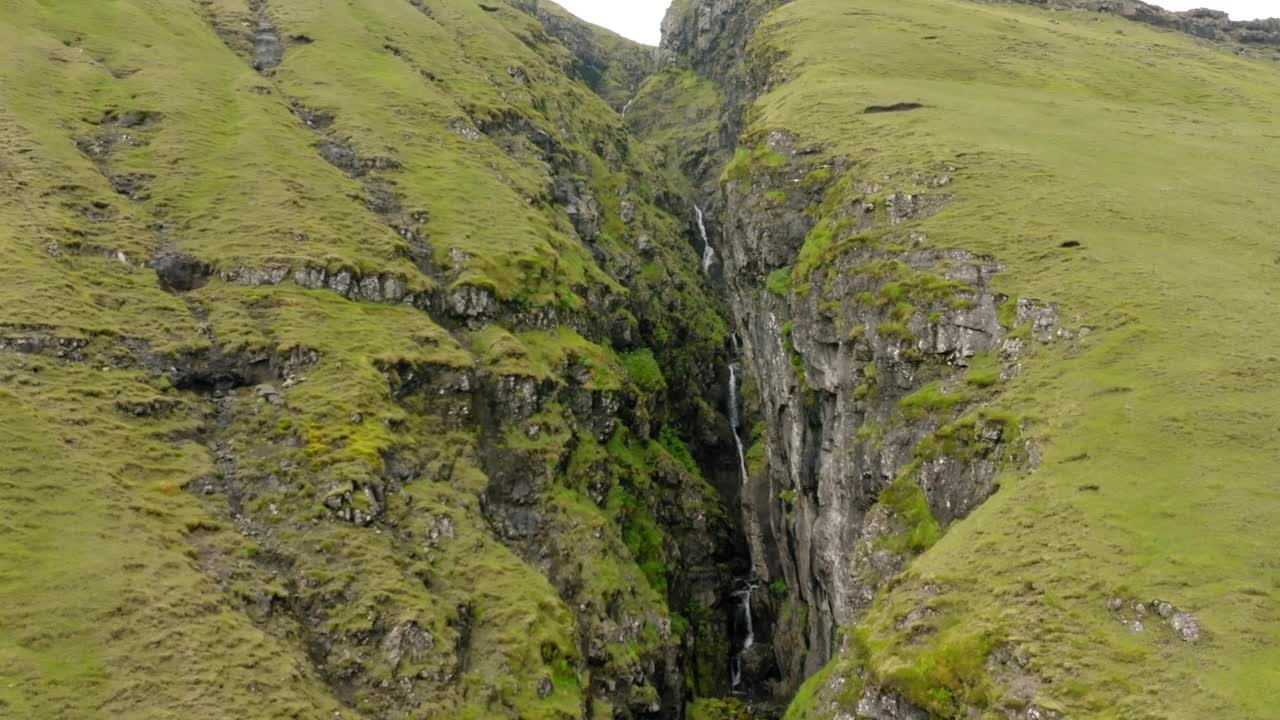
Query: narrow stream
(708, 252)
(743, 623)
(742, 620)
(735, 421)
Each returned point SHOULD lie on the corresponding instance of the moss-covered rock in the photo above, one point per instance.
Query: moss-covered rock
(360, 323)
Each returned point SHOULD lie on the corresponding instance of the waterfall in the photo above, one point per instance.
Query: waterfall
(708, 252)
(748, 636)
(735, 422)
(743, 594)
(627, 107)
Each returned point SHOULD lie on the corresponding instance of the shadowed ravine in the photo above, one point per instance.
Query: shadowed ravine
(444, 360)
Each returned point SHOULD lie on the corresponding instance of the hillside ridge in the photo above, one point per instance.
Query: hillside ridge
(872, 359)
(864, 221)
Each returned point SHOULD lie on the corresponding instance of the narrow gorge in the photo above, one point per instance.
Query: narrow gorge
(456, 360)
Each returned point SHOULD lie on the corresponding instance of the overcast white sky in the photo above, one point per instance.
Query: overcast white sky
(640, 19)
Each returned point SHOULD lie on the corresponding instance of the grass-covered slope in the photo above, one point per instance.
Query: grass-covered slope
(676, 112)
(1126, 176)
(312, 312)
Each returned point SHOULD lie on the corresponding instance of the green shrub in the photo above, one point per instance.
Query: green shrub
(982, 378)
(641, 535)
(717, 709)
(738, 169)
(670, 440)
(644, 371)
(895, 329)
(929, 400)
(779, 282)
(788, 498)
(908, 503)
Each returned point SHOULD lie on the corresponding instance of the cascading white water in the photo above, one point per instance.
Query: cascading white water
(748, 636)
(743, 595)
(734, 421)
(733, 395)
(708, 252)
(627, 107)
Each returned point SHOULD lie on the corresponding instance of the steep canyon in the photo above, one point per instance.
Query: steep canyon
(447, 359)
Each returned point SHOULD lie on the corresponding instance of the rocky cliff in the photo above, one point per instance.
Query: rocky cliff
(870, 362)
(884, 351)
(864, 361)
(358, 364)
(1259, 37)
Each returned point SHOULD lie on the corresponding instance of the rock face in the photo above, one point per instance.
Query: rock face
(876, 705)
(180, 273)
(839, 369)
(859, 362)
(873, 356)
(712, 37)
(423, 375)
(613, 67)
(1257, 36)
(712, 34)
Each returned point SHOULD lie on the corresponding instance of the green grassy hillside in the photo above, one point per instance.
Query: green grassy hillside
(306, 304)
(1128, 177)
(355, 360)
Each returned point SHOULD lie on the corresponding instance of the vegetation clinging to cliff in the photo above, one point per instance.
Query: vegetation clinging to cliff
(1068, 141)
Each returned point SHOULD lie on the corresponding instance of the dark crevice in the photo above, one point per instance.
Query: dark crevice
(896, 107)
(178, 272)
(120, 131)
